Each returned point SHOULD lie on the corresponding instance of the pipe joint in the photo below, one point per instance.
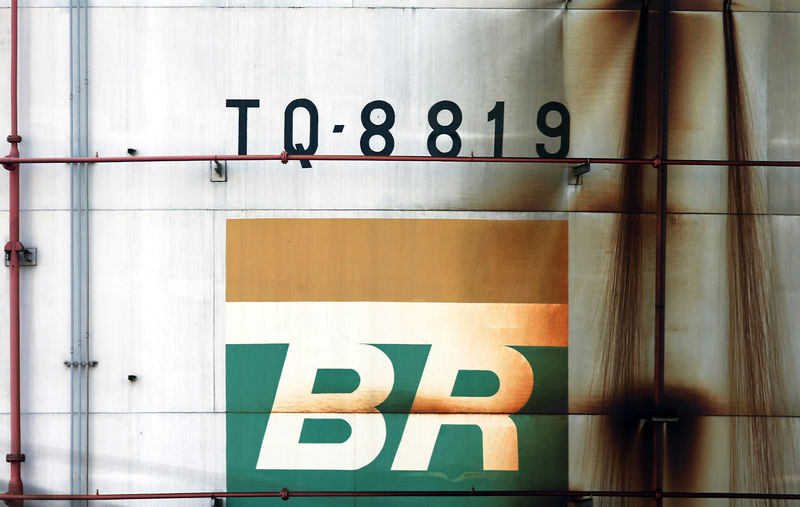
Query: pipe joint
(657, 162)
(11, 166)
(15, 458)
(14, 247)
(13, 153)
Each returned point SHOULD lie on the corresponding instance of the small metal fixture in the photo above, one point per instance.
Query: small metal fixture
(132, 378)
(578, 171)
(664, 418)
(75, 364)
(219, 170)
(27, 257)
(667, 416)
(132, 152)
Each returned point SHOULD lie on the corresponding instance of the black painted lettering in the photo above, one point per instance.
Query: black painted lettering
(560, 130)
(243, 105)
(313, 130)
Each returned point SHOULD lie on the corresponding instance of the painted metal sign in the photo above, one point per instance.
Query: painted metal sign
(369, 354)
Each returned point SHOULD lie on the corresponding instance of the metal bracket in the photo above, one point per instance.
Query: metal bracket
(74, 364)
(27, 257)
(578, 171)
(664, 418)
(667, 416)
(219, 170)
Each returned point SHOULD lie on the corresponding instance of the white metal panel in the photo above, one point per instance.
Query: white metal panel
(598, 58)
(697, 303)
(590, 248)
(45, 442)
(44, 315)
(697, 112)
(151, 311)
(426, 4)
(4, 325)
(43, 104)
(784, 111)
(410, 58)
(677, 5)
(786, 245)
(159, 452)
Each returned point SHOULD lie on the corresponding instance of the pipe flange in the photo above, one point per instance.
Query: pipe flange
(14, 139)
(284, 491)
(15, 458)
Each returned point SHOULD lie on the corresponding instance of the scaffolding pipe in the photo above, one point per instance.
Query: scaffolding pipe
(285, 494)
(12, 249)
(661, 258)
(285, 158)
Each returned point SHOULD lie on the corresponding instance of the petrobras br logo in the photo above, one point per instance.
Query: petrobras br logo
(409, 353)
(335, 369)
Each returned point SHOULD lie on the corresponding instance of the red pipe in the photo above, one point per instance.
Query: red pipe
(661, 258)
(286, 495)
(13, 247)
(288, 157)
(656, 161)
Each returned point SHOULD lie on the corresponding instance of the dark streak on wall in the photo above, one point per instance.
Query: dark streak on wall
(756, 344)
(623, 460)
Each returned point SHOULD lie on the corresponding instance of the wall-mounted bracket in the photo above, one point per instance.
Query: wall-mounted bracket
(667, 416)
(75, 364)
(664, 419)
(219, 170)
(577, 172)
(27, 257)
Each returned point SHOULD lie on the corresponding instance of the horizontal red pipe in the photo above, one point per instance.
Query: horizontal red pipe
(352, 158)
(400, 158)
(290, 494)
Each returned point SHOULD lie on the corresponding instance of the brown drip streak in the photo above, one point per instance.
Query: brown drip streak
(623, 449)
(755, 342)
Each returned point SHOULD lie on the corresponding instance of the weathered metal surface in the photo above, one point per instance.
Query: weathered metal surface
(158, 248)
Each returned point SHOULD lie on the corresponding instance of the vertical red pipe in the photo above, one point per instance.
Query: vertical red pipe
(15, 457)
(661, 260)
